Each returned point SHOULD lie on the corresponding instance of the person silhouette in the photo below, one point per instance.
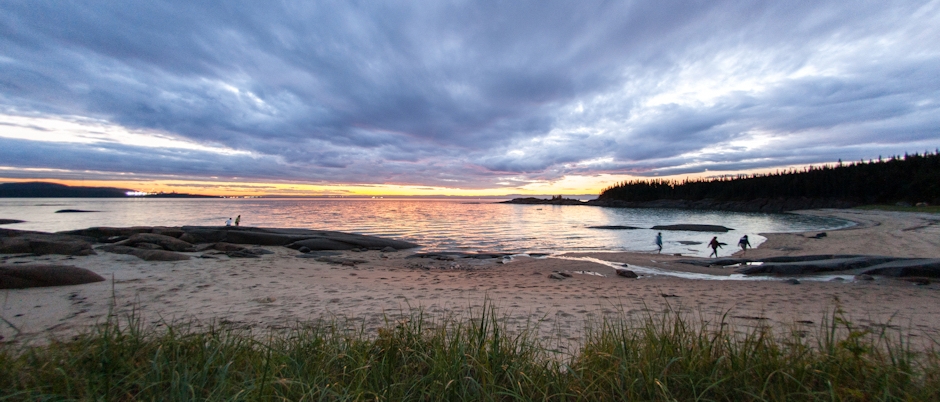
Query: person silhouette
(744, 244)
(228, 222)
(238, 220)
(715, 245)
(659, 241)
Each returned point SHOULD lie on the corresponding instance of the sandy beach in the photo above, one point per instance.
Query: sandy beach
(279, 290)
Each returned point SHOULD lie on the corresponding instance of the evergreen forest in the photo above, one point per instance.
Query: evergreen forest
(912, 178)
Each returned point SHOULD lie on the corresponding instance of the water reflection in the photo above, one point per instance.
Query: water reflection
(437, 224)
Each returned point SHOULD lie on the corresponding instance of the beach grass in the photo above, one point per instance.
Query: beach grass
(663, 356)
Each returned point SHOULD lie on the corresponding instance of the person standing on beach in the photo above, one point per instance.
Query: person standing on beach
(659, 241)
(715, 245)
(228, 222)
(238, 220)
(744, 244)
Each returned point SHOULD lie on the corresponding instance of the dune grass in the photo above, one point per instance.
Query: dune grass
(663, 356)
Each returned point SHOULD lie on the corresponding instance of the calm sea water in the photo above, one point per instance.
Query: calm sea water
(435, 224)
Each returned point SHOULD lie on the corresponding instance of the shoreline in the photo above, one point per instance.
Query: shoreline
(280, 290)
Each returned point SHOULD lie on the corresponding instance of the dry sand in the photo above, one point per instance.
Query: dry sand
(280, 290)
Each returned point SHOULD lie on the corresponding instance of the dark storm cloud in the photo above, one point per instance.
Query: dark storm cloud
(470, 94)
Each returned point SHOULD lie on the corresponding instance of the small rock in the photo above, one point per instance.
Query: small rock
(389, 249)
(837, 279)
(864, 277)
(555, 275)
(626, 273)
(792, 281)
(920, 281)
(565, 274)
(148, 246)
(446, 258)
(304, 249)
(268, 299)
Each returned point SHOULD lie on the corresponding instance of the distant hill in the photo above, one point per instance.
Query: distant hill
(39, 189)
(905, 180)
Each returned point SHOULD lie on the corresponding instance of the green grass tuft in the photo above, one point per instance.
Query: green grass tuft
(661, 357)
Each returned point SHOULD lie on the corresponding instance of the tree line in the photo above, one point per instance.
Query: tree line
(910, 178)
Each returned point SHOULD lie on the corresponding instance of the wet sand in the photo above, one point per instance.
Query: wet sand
(279, 290)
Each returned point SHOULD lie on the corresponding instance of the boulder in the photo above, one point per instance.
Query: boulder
(165, 242)
(555, 275)
(146, 255)
(17, 242)
(148, 246)
(613, 227)
(626, 273)
(103, 233)
(10, 221)
(816, 266)
(31, 276)
(920, 267)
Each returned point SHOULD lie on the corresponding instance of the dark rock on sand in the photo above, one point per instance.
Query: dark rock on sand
(613, 227)
(812, 267)
(341, 261)
(456, 254)
(792, 281)
(556, 275)
(107, 234)
(32, 276)
(864, 277)
(293, 238)
(626, 273)
(165, 242)
(39, 243)
(148, 246)
(146, 255)
(693, 228)
(917, 280)
(10, 221)
(72, 211)
(922, 267)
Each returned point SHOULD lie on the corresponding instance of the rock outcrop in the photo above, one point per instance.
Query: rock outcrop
(39, 243)
(165, 242)
(837, 263)
(145, 254)
(32, 276)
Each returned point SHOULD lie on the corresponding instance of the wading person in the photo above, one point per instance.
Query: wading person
(238, 220)
(744, 244)
(715, 245)
(659, 241)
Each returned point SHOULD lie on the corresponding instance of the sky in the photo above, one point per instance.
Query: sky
(456, 97)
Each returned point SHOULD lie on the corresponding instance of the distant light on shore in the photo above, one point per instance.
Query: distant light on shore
(137, 193)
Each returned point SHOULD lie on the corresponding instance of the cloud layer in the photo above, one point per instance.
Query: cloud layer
(462, 94)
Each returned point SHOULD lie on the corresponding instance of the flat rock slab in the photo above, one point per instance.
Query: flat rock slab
(829, 263)
(165, 242)
(38, 243)
(613, 227)
(10, 221)
(72, 211)
(292, 238)
(34, 276)
(451, 255)
(146, 255)
(915, 267)
(693, 228)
